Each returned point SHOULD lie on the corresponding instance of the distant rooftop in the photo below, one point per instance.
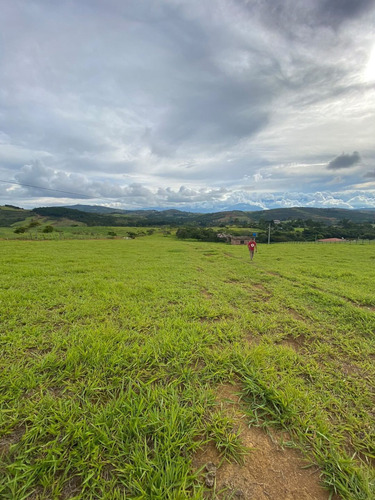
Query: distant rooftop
(332, 240)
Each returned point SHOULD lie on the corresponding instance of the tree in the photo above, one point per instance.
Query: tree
(34, 223)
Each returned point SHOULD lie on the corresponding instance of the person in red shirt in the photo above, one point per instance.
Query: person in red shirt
(252, 246)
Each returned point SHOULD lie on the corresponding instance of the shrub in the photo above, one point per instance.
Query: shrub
(34, 223)
(197, 233)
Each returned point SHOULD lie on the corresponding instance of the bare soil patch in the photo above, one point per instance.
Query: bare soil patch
(9, 439)
(295, 314)
(269, 472)
(206, 294)
(274, 273)
(258, 292)
(296, 343)
(38, 351)
(253, 339)
(37, 494)
(364, 306)
(71, 488)
(197, 365)
(259, 286)
(350, 369)
(212, 319)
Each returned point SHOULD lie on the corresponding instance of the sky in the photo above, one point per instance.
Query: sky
(198, 105)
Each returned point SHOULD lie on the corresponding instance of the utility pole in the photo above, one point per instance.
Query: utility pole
(269, 233)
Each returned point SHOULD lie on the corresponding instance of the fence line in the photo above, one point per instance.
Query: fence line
(346, 242)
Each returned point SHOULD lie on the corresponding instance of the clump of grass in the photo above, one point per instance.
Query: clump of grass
(226, 436)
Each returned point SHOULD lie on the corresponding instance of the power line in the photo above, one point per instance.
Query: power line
(48, 189)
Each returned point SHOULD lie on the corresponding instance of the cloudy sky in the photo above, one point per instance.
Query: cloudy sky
(191, 104)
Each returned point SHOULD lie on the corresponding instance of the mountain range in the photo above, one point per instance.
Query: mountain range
(94, 215)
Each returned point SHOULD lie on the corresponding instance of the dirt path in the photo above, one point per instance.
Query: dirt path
(269, 472)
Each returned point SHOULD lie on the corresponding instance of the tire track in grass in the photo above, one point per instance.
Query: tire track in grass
(264, 295)
(367, 307)
(325, 336)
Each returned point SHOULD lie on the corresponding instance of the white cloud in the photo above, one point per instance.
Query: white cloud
(47, 185)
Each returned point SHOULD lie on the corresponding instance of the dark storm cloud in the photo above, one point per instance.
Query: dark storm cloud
(291, 15)
(204, 105)
(370, 174)
(215, 115)
(335, 12)
(344, 161)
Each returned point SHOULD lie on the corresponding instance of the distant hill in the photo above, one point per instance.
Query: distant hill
(99, 209)
(243, 207)
(327, 215)
(105, 216)
(10, 214)
(95, 209)
(90, 219)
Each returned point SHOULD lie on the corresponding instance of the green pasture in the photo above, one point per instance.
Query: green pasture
(76, 231)
(113, 351)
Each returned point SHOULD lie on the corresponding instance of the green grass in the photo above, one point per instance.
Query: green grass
(76, 231)
(113, 350)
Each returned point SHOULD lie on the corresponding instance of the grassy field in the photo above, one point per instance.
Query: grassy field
(113, 352)
(75, 232)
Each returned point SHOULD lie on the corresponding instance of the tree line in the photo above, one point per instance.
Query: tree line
(297, 230)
